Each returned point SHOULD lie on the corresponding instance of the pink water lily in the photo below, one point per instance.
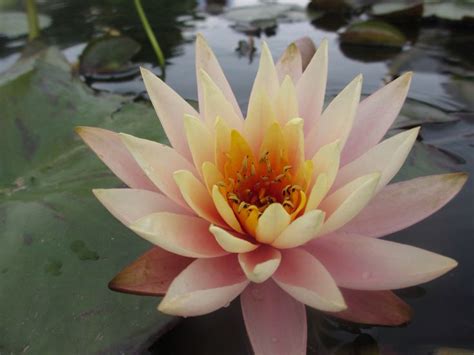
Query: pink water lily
(284, 208)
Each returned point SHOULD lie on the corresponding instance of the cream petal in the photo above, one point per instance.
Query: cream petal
(161, 170)
(275, 322)
(151, 274)
(259, 265)
(303, 277)
(267, 77)
(374, 307)
(230, 242)
(129, 205)
(337, 119)
(286, 102)
(171, 109)
(374, 117)
(196, 196)
(200, 141)
(204, 286)
(271, 223)
(290, 64)
(109, 148)
(225, 211)
(215, 104)
(179, 234)
(318, 192)
(345, 203)
(365, 263)
(311, 87)
(386, 157)
(294, 138)
(400, 205)
(211, 175)
(301, 230)
(207, 61)
(326, 160)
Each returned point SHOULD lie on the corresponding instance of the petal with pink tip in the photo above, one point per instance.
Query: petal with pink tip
(159, 170)
(207, 61)
(275, 322)
(271, 223)
(109, 148)
(196, 196)
(171, 109)
(311, 88)
(183, 235)
(151, 274)
(374, 116)
(301, 230)
(302, 276)
(230, 242)
(400, 205)
(386, 157)
(286, 102)
(290, 64)
(225, 211)
(129, 205)
(374, 307)
(344, 204)
(204, 286)
(259, 265)
(337, 119)
(365, 263)
(215, 104)
(200, 141)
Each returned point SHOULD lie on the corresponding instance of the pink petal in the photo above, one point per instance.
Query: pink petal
(374, 117)
(311, 87)
(179, 234)
(204, 286)
(403, 204)
(290, 63)
(171, 109)
(307, 49)
(109, 148)
(374, 307)
(275, 322)
(129, 205)
(259, 265)
(302, 276)
(386, 157)
(159, 170)
(151, 274)
(365, 263)
(206, 60)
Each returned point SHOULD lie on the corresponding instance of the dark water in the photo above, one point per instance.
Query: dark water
(441, 55)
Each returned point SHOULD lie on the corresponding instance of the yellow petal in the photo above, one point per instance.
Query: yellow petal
(286, 103)
(326, 161)
(200, 141)
(294, 138)
(222, 142)
(211, 175)
(318, 192)
(230, 242)
(271, 223)
(225, 211)
(267, 77)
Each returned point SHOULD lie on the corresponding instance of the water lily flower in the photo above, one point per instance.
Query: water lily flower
(284, 208)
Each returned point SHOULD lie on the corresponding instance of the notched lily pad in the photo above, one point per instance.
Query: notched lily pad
(373, 33)
(15, 24)
(109, 56)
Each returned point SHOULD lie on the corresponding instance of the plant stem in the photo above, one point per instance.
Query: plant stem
(33, 23)
(150, 34)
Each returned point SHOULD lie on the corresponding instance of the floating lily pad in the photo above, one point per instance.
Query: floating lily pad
(399, 11)
(109, 55)
(373, 33)
(15, 23)
(58, 246)
(450, 10)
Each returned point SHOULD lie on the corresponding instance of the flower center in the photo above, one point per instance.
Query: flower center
(252, 184)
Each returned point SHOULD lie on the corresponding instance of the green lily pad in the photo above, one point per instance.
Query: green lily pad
(373, 33)
(399, 11)
(58, 246)
(108, 54)
(460, 10)
(15, 23)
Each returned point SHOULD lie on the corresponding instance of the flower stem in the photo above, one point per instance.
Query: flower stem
(150, 34)
(33, 23)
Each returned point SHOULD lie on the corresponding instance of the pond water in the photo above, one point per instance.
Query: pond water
(441, 54)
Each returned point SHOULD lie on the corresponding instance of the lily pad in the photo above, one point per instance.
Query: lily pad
(399, 11)
(58, 245)
(450, 10)
(373, 33)
(15, 23)
(107, 55)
